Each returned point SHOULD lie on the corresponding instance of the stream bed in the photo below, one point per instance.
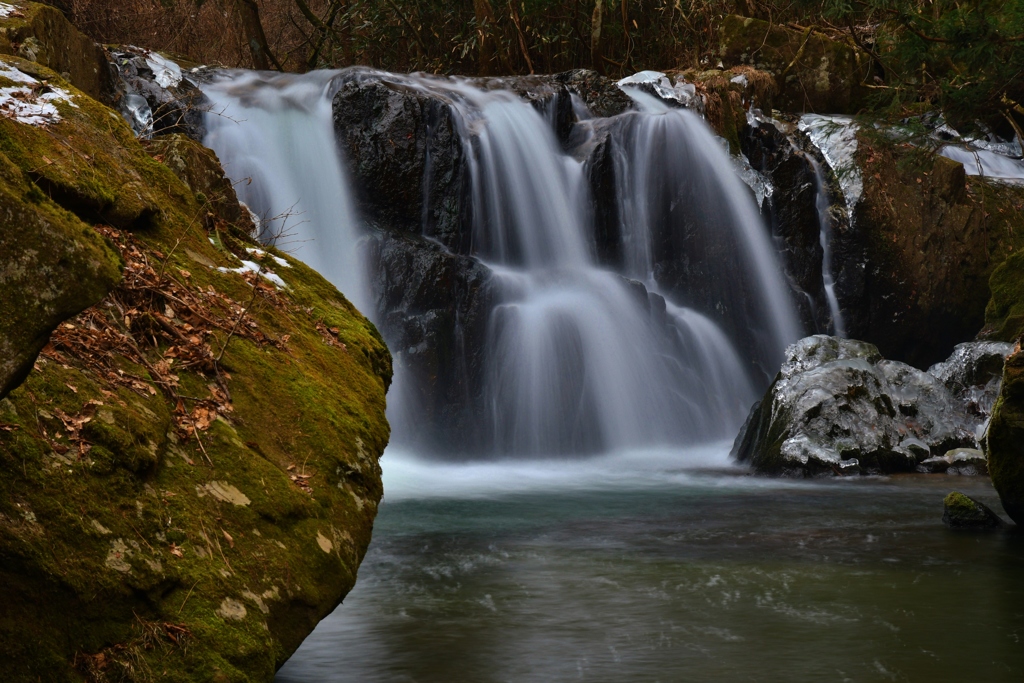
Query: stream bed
(629, 568)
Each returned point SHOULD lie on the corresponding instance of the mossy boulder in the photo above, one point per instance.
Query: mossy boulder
(40, 33)
(813, 72)
(89, 162)
(199, 168)
(1005, 439)
(189, 473)
(963, 512)
(52, 266)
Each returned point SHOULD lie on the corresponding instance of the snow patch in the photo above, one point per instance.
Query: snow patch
(33, 103)
(7, 10)
(259, 253)
(253, 267)
(836, 137)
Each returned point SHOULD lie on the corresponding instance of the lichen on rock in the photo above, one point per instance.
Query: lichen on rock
(1005, 438)
(189, 472)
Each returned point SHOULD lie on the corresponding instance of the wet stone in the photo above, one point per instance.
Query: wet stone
(963, 512)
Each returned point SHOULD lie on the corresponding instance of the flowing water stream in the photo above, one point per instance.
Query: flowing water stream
(652, 559)
(630, 569)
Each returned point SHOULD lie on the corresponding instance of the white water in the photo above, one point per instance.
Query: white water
(274, 136)
(823, 205)
(578, 359)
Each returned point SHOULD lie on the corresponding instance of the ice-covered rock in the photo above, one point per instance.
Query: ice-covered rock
(154, 96)
(838, 407)
(836, 137)
(660, 85)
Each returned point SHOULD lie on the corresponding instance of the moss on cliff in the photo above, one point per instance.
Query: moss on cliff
(929, 238)
(189, 476)
(1005, 438)
(813, 72)
(42, 34)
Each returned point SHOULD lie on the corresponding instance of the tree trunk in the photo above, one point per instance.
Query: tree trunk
(252, 29)
(485, 25)
(595, 37)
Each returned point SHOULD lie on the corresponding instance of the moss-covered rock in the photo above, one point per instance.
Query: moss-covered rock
(914, 267)
(40, 33)
(1005, 439)
(53, 266)
(963, 512)
(199, 168)
(90, 162)
(189, 475)
(813, 72)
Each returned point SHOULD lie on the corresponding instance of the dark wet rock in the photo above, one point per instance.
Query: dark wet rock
(813, 72)
(963, 512)
(154, 96)
(600, 95)
(42, 34)
(837, 406)
(406, 157)
(792, 214)
(1005, 438)
(433, 308)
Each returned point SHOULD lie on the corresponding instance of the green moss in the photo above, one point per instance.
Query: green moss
(112, 517)
(813, 72)
(1004, 438)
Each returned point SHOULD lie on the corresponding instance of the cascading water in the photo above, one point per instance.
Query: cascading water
(578, 358)
(679, 193)
(274, 136)
(824, 206)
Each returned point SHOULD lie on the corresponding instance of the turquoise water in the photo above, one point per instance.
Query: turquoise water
(630, 569)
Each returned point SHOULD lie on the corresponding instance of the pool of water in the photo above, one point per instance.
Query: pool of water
(631, 568)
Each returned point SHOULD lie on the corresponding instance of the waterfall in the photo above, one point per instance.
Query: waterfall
(578, 358)
(274, 136)
(678, 188)
(824, 206)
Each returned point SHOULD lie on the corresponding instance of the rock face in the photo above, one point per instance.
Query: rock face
(792, 214)
(189, 473)
(1006, 436)
(53, 266)
(42, 34)
(813, 73)
(963, 512)
(838, 407)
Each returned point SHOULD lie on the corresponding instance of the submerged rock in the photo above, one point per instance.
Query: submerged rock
(838, 407)
(1005, 439)
(963, 512)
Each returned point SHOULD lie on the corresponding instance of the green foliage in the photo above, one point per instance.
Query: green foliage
(965, 58)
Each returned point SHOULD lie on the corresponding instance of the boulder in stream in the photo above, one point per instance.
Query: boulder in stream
(837, 407)
(960, 511)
